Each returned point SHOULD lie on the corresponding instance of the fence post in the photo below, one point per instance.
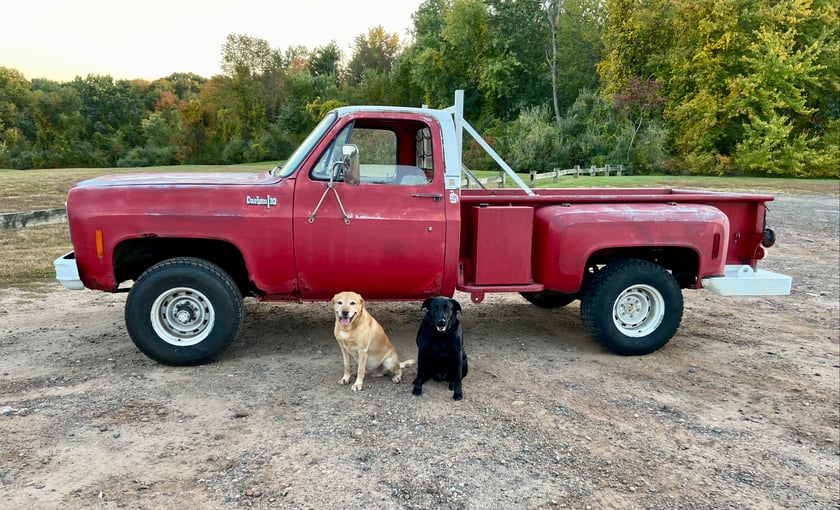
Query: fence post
(592, 171)
(577, 171)
(533, 175)
(556, 174)
(620, 169)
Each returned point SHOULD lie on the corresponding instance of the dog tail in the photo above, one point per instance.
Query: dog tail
(407, 363)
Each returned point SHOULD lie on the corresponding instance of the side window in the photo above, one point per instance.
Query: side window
(401, 157)
(377, 154)
(331, 155)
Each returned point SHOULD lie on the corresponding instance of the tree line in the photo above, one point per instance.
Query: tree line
(707, 87)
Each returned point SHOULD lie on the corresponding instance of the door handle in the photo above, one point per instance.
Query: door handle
(434, 196)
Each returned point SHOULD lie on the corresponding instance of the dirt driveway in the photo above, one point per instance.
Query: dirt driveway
(739, 410)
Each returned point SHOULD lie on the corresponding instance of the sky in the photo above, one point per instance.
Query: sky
(62, 39)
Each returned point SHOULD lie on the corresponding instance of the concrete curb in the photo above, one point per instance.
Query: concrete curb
(31, 218)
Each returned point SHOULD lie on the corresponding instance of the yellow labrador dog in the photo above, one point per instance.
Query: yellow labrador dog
(359, 335)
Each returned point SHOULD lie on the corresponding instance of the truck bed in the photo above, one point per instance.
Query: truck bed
(501, 225)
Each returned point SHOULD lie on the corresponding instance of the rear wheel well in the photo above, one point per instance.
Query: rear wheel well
(134, 256)
(683, 263)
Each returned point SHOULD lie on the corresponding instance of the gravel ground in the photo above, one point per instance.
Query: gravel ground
(740, 410)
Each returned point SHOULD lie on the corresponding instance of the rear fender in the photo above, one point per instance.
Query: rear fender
(566, 237)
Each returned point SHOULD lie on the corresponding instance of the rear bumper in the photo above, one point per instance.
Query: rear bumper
(746, 281)
(67, 272)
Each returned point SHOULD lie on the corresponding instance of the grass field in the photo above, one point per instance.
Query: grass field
(26, 254)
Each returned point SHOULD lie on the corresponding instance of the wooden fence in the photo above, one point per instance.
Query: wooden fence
(554, 175)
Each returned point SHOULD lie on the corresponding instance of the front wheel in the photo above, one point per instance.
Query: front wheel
(632, 307)
(183, 311)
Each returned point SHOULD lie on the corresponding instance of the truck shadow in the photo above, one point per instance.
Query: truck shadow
(496, 325)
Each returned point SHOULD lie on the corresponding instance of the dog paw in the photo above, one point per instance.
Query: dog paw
(457, 396)
(417, 391)
(396, 379)
(344, 380)
(357, 386)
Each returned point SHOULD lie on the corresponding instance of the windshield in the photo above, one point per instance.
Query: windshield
(305, 147)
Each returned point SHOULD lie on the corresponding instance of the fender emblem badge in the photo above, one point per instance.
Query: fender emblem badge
(268, 201)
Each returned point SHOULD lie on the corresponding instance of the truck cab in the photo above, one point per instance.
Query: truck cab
(388, 231)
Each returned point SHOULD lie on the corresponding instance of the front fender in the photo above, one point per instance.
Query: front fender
(566, 236)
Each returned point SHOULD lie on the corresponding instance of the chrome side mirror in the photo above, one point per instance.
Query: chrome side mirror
(350, 164)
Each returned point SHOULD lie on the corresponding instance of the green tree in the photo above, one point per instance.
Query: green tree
(576, 28)
(58, 122)
(638, 101)
(428, 62)
(245, 60)
(740, 74)
(326, 61)
(111, 113)
(194, 136)
(637, 37)
(513, 64)
(748, 84)
(15, 113)
(370, 65)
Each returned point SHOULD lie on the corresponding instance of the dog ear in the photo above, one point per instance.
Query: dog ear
(426, 304)
(456, 305)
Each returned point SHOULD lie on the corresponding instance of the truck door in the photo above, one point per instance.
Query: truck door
(391, 243)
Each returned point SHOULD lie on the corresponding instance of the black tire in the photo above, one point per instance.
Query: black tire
(548, 298)
(632, 307)
(183, 311)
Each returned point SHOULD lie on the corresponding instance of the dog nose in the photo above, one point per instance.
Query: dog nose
(441, 323)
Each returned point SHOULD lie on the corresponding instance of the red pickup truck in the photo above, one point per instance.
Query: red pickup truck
(372, 201)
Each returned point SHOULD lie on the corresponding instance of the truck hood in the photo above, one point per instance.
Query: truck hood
(180, 179)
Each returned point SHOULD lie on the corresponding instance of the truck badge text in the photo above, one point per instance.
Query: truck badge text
(268, 201)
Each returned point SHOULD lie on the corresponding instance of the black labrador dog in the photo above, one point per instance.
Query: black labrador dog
(440, 346)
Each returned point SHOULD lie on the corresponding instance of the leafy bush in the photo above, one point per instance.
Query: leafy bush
(148, 156)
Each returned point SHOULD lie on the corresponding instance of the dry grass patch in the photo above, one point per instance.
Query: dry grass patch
(27, 254)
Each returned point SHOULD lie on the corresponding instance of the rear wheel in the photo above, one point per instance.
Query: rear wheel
(632, 307)
(548, 298)
(183, 311)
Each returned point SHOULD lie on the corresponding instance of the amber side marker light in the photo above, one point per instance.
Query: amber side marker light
(100, 246)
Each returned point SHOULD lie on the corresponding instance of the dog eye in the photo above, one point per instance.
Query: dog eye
(340, 302)
(352, 303)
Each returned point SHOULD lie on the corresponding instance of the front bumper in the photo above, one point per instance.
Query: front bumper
(67, 272)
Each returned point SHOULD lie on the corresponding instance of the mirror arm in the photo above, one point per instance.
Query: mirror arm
(331, 186)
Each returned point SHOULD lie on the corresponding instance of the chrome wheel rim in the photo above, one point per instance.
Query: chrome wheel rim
(182, 316)
(638, 311)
